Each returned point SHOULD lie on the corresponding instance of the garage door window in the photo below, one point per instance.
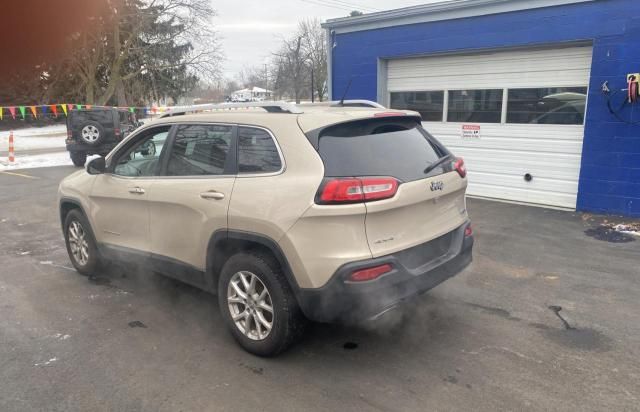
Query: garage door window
(429, 104)
(556, 105)
(478, 106)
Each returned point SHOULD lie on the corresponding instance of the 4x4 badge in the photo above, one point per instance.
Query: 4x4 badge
(439, 185)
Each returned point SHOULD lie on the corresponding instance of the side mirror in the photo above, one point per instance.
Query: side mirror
(97, 166)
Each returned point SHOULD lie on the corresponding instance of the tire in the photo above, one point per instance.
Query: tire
(287, 320)
(92, 133)
(78, 158)
(86, 266)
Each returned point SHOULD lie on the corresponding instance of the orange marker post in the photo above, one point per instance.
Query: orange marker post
(12, 157)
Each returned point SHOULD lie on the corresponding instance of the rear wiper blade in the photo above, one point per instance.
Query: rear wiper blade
(437, 163)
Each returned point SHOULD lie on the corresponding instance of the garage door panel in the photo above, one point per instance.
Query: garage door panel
(559, 67)
(485, 80)
(524, 131)
(501, 154)
(542, 168)
(520, 195)
(518, 144)
(517, 182)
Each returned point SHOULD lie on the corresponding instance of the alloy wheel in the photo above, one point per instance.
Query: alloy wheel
(78, 243)
(250, 305)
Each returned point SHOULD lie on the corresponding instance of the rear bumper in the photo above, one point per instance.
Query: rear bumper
(348, 302)
(101, 149)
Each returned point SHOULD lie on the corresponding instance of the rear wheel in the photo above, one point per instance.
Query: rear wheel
(81, 244)
(258, 305)
(78, 158)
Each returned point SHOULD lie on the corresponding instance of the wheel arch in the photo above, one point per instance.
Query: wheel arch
(68, 204)
(225, 243)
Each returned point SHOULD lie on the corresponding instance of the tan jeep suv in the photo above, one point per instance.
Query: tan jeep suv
(331, 213)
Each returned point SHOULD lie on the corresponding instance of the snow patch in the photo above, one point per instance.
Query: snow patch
(35, 161)
(633, 230)
(50, 361)
(35, 138)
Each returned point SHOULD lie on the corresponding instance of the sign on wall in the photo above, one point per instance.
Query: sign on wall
(470, 131)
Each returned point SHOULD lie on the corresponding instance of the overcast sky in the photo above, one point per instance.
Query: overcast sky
(251, 29)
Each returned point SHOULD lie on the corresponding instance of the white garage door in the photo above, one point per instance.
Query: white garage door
(515, 116)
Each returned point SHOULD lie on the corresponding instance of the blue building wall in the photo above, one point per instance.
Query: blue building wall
(610, 172)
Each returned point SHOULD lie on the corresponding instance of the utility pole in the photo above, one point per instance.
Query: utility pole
(266, 81)
(312, 88)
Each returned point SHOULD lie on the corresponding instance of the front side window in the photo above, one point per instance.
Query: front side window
(143, 158)
(257, 152)
(200, 150)
(477, 106)
(549, 105)
(429, 104)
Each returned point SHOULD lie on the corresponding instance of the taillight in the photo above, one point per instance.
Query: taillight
(460, 167)
(468, 231)
(372, 273)
(117, 133)
(355, 190)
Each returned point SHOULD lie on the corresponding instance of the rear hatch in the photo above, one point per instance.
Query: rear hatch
(412, 186)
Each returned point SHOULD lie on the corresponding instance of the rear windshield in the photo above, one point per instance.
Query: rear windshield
(399, 148)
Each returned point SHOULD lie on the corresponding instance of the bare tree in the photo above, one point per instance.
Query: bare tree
(292, 66)
(136, 37)
(315, 48)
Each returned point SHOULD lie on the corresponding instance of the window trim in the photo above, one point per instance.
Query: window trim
(283, 165)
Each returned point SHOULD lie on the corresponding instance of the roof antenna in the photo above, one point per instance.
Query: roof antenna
(345, 92)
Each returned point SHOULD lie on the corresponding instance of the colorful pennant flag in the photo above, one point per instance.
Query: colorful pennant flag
(89, 106)
(54, 109)
(44, 109)
(64, 108)
(33, 111)
(131, 109)
(1, 110)
(22, 111)
(12, 110)
(79, 106)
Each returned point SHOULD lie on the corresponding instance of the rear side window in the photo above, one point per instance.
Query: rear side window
(379, 147)
(257, 152)
(200, 150)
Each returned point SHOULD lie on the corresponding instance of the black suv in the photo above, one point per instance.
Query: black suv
(96, 131)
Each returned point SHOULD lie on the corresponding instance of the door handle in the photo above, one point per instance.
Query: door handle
(212, 194)
(136, 190)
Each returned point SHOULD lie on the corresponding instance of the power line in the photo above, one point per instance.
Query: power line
(319, 3)
(354, 5)
(337, 5)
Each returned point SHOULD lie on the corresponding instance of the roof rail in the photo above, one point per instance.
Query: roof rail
(356, 103)
(272, 107)
(346, 103)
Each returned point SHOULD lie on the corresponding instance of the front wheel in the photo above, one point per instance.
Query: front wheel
(78, 158)
(81, 244)
(258, 305)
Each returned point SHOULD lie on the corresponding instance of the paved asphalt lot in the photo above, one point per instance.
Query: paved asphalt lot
(485, 340)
